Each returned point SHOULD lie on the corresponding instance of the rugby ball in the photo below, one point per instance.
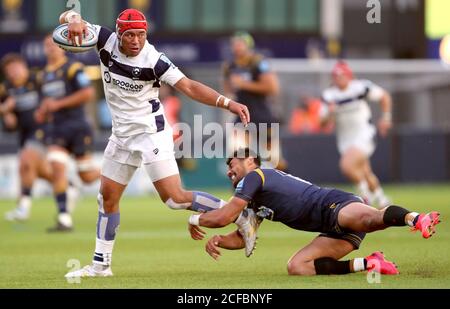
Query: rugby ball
(60, 35)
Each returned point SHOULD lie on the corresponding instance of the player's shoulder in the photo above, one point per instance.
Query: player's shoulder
(255, 176)
(260, 62)
(73, 67)
(149, 55)
(361, 83)
(329, 94)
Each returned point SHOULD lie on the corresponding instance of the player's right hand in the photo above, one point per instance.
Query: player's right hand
(241, 110)
(77, 30)
(196, 232)
(212, 247)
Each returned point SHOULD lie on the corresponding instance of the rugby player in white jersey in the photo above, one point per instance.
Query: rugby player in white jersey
(132, 70)
(346, 104)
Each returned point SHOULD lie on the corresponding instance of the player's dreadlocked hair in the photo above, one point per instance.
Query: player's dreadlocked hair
(244, 153)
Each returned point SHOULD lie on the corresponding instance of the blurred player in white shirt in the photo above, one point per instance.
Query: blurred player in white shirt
(132, 71)
(346, 102)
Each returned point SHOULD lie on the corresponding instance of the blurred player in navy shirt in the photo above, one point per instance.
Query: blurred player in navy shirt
(66, 89)
(19, 97)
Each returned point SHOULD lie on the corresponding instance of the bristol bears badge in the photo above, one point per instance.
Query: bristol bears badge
(136, 73)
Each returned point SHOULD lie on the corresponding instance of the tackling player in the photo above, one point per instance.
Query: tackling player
(20, 99)
(132, 71)
(340, 217)
(346, 104)
(65, 90)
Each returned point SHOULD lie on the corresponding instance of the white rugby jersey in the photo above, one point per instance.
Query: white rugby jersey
(353, 115)
(132, 84)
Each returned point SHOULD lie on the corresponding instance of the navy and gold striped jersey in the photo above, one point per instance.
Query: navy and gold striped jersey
(67, 79)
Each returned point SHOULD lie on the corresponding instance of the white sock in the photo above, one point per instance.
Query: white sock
(24, 204)
(364, 191)
(379, 194)
(413, 216)
(358, 265)
(103, 252)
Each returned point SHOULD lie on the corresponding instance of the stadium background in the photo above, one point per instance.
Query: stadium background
(302, 38)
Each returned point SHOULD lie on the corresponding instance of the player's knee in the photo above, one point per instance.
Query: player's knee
(106, 203)
(345, 165)
(180, 199)
(180, 196)
(89, 177)
(301, 268)
(370, 222)
(25, 167)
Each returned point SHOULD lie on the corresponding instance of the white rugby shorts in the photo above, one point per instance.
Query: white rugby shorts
(123, 155)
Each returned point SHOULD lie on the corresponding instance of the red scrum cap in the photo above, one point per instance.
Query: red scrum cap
(130, 19)
(342, 68)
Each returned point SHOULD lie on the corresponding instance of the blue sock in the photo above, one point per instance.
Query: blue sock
(204, 202)
(61, 201)
(107, 225)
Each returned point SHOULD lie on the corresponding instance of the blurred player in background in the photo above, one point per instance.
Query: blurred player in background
(65, 90)
(340, 217)
(249, 79)
(133, 71)
(19, 97)
(346, 104)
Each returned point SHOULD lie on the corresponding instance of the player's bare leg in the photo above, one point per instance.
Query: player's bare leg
(107, 226)
(352, 166)
(322, 255)
(87, 171)
(302, 262)
(359, 217)
(29, 162)
(380, 200)
(59, 157)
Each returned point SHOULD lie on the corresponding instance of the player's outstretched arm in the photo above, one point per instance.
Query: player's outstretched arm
(232, 241)
(206, 95)
(77, 27)
(220, 217)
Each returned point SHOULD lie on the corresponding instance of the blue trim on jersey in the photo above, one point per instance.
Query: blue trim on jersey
(162, 65)
(155, 105)
(145, 74)
(103, 37)
(360, 97)
(160, 123)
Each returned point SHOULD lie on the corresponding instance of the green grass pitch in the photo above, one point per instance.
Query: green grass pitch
(153, 250)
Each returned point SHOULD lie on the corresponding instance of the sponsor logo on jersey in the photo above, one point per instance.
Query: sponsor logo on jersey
(107, 77)
(136, 73)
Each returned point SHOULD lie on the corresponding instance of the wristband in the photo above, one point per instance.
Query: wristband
(72, 16)
(194, 220)
(218, 100)
(226, 103)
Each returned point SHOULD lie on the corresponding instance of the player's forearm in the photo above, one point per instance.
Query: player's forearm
(202, 93)
(78, 98)
(216, 219)
(232, 241)
(386, 106)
